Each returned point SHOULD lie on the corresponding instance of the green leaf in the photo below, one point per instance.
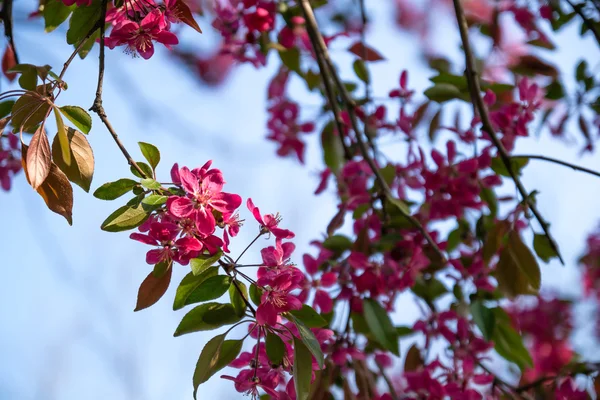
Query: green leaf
(88, 45)
(443, 92)
(6, 107)
(150, 183)
(543, 248)
(29, 75)
(309, 317)
(484, 318)
(361, 71)
(63, 139)
(302, 370)
(275, 348)
(429, 289)
(404, 331)
(517, 164)
(151, 153)
(494, 239)
(79, 117)
(189, 284)
(211, 289)
(236, 299)
(125, 218)
(216, 355)
(155, 200)
(517, 271)
(206, 317)
(309, 339)
(82, 21)
(338, 243)
(81, 170)
(291, 59)
(333, 152)
(114, 190)
(255, 294)
(201, 263)
(400, 205)
(380, 325)
(55, 13)
(508, 343)
(144, 167)
(312, 80)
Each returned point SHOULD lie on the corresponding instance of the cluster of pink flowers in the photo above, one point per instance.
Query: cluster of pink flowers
(10, 159)
(137, 25)
(186, 227)
(283, 125)
(547, 326)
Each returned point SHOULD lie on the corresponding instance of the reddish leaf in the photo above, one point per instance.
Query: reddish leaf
(38, 158)
(56, 189)
(28, 111)
(9, 61)
(185, 15)
(3, 123)
(365, 52)
(81, 169)
(152, 289)
(413, 359)
(337, 221)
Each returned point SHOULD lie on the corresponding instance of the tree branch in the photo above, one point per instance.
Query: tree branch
(97, 106)
(329, 72)
(560, 162)
(473, 83)
(6, 17)
(586, 20)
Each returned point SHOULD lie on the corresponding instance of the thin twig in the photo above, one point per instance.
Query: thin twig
(97, 106)
(329, 71)
(560, 162)
(388, 382)
(586, 20)
(475, 88)
(330, 94)
(6, 17)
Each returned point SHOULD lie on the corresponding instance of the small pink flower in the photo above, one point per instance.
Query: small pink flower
(269, 222)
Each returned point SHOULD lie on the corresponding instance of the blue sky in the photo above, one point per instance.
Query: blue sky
(68, 293)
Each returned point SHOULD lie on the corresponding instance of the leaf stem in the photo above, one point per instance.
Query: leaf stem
(559, 162)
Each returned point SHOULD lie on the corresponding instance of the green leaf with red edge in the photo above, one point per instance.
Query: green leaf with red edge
(81, 169)
(308, 338)
(185, 15)
(380, 325)
(365, 52)
(361, 71)
(309, 317)
(189, 284)
(79, 117)
(216, 355)
(302, 373)
(152, 289)
(206, 317)
(114, 190)
(275, 347)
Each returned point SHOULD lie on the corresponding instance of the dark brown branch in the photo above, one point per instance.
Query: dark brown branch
(329, 72)
(475, 89)
(586, 20)
(594, 368)
(330, 94)
(7, 20)
(560, 162)
(97, 106)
